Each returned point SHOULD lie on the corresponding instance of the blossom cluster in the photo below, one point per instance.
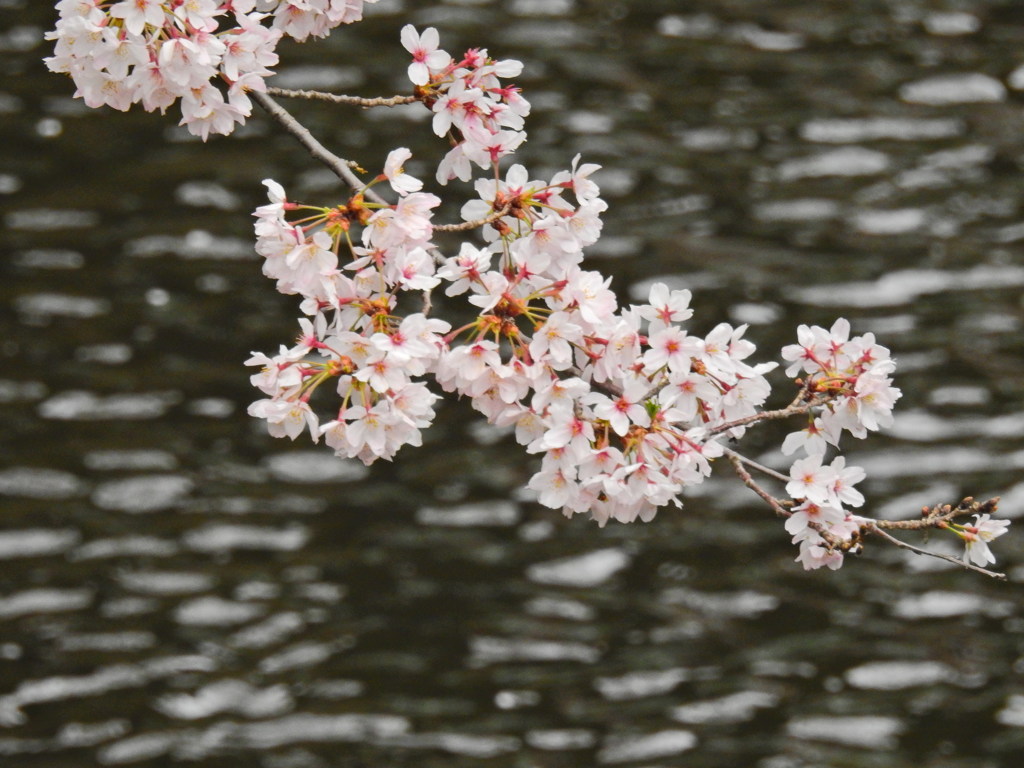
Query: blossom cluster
(482, 117)
(854, 376)
(207, 53)
(626, 407)
(621, 405)
(374, 355)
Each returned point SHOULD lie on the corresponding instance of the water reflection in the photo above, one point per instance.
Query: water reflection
(180, 588)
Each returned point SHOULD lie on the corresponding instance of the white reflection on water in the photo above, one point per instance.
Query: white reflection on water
(146, 493)
(126, 546)
(903, 286)
(313, 466)
(847, 161)
(44, 600)
(234, 696)
(35, 542)
(869, 731)
(589, 570)
(40, 483)
(224, 538)
(896, 675)
(943, 90)
(625, 749)
(40, 307)
(496, 650)
(734, 708)
(495, 512)
(639, 685)
(942, 604)
(215, 612)
(78, 405)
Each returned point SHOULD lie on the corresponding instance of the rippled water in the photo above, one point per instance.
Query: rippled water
(178, 588)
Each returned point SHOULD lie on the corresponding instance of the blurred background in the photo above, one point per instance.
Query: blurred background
(178, 588)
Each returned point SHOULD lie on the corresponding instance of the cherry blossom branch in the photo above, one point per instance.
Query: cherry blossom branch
(939, 515)
(337, 98)
(741, 471)
(616, 425)
(872, 526)
(936, 517)
(342, 168)
(759, 467)
(779, 507)
(468, 225)
(799, 405)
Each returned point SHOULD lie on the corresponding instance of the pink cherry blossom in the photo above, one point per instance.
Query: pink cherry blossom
(810, 480)
(425, 54)
(977, 537)
(400, 181)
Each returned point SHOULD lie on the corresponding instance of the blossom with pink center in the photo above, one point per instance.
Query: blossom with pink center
(487, 149)
(426, 58)
(810, 480)
(842, 490)
(468, 362)
(625, 409)
(578, 179)
(671, 347)
(813, 346)
(383, 372)
(566, 430)
(808, 514)
(686, 391)
(465, 269)
(666, 307)
(413, 270)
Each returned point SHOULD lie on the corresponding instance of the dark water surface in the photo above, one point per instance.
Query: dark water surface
(174, 590)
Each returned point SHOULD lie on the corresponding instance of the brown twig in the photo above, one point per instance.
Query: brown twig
(759, 467)
(798, 406)
(342, 168)
(748, 480)
(940, 514)
(936, 517)
(872, 527)
(337, 98)
(467, 225)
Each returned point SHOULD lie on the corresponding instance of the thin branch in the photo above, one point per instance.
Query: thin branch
(759, 467)
(342, 168)
(337, 98)
(467, 225)
(871, 527)
(798, 406)
(936, 517)
(744, 475)
(939, 515)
